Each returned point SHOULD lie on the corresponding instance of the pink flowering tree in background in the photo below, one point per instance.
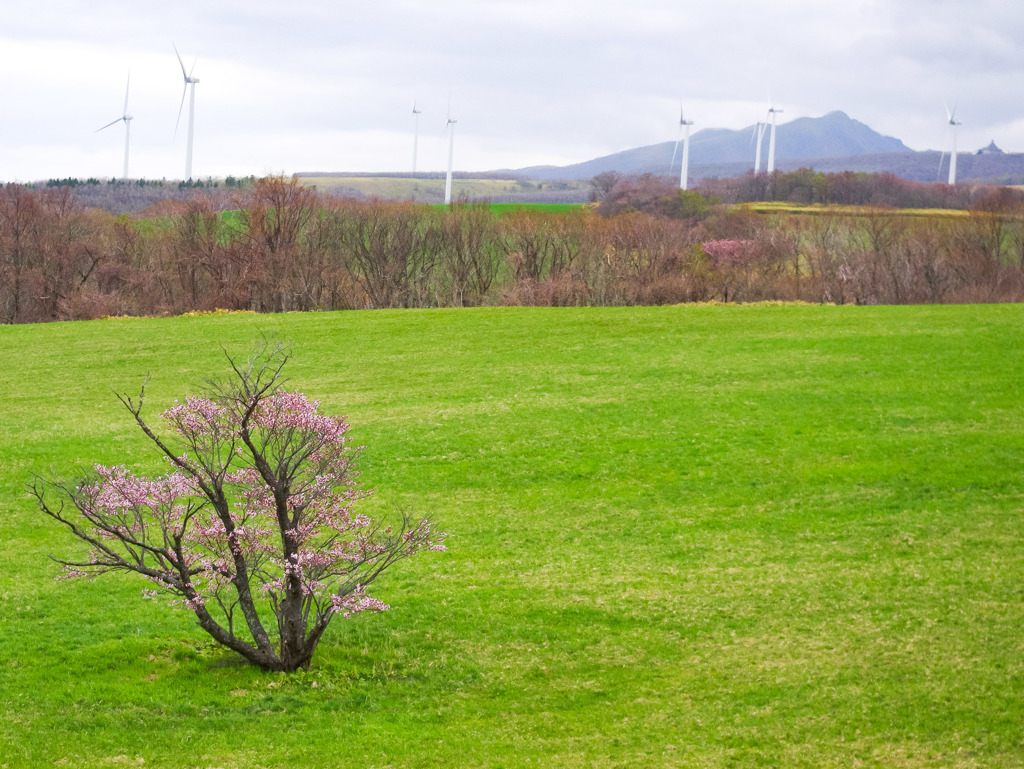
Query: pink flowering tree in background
(723, 254)
(253, 528)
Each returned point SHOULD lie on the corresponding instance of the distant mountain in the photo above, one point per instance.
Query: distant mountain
(834, 135)
(832, 143)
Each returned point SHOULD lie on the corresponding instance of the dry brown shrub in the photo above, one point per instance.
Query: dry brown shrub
(561, 290)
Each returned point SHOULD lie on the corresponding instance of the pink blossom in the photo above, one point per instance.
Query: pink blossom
(728, 253)
(354, 602)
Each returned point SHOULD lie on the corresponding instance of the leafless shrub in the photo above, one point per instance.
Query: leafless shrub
(537, 244)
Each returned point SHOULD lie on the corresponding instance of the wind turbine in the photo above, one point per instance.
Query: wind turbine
(684, 134)
(127, 120)
(951, 117)
(772, 112)
(759, 132)
(415, 133)
(189, 81)
(449, 128)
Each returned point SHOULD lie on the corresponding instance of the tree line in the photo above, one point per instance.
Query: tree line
(804, 186)
(276, 246)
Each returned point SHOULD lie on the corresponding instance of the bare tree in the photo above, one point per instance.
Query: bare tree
(386, 247)
(465, 246)
(272, 226)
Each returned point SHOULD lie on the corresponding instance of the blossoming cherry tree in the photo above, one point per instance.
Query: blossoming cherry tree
(253, 529)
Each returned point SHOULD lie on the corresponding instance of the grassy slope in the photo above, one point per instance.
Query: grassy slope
(403, 188)
(400, 187)
(688, 536)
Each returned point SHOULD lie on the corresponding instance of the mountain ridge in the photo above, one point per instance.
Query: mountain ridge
(832, 143)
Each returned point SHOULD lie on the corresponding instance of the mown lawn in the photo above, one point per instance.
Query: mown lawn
(707, 536)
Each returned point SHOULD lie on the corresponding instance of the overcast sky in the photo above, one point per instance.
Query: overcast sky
(329, 86)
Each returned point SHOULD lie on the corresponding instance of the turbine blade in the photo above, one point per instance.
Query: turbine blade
(112, 122)
(125, 111)
(193, 67)
(675, 149)
(176, 122)
(184, 74)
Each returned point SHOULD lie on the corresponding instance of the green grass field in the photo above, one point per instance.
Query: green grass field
(696, 536)
(548, 208)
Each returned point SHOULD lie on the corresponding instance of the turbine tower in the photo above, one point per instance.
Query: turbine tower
(772, 112)
(759, 133)
(415, 133)
(684, 135)
(449, 127)
(127, 120)
(951, 117)
(189, 81)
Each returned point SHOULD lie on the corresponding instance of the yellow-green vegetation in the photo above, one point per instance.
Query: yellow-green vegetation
(707, 536)
(431, 190)
(777, 207)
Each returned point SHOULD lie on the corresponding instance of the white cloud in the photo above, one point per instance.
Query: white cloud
(330, 85)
